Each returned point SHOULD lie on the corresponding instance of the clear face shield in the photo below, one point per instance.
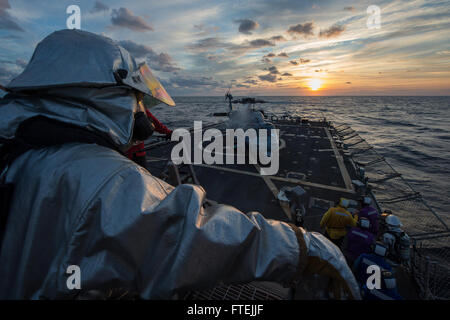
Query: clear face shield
(145, 82)
(148, 88)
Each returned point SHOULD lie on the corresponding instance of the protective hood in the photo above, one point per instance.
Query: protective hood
(72, 77)
(83, 59)
(108, 110)
(75, 58)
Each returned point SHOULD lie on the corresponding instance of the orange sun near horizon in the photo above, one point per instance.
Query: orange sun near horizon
(315, 84)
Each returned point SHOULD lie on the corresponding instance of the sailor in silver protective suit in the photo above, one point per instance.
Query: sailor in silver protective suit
(88, 205)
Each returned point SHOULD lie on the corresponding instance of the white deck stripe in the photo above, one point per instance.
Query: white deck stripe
(291, 180)
(272, 187)
(340, 161)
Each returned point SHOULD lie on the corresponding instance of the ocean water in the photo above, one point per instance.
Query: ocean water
(412, 133)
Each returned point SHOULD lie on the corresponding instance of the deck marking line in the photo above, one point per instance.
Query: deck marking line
(272, 187)
(290, 180)
(340, 161)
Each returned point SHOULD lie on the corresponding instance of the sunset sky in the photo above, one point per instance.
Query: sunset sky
(262, 47)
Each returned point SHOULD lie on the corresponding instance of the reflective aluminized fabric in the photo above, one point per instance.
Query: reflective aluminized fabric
(76, 58)
(89, 206)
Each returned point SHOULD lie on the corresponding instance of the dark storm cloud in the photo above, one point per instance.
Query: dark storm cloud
(287, 74)
(283, 54)
(247, 25)
(268, 77)
(294, 62)
(332, 32)
(6, 21)
(124, 18)
(305, 29)
(157, 61)
(348, 82)
(99, 7)
(270, 55)
(351, 9)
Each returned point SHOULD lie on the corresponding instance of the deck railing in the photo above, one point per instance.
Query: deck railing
(429, 230)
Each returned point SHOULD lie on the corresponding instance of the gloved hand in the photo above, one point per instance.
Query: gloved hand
(326, 259)
(143, 127)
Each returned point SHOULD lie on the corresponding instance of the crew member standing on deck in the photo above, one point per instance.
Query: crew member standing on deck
(137, 151)
(359, 240)
(370, 213)
(336, 221)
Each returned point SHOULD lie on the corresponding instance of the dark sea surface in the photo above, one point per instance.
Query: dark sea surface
(412, 133)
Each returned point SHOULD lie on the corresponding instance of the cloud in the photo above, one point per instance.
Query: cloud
(202, 30)
(11, 37)
(251, 81)
(99, 7)
(259, 43)
(283, 54)
(208, 44)
(247, 25)
(6, 21)
(215, 43)
(193, 81)
(123, 17)
(157, 61)
(278, 38)
(351, 9)
(21, 63)
(332, 32)
(270, 55)
(348, 82)
(273, 70)
(301, 61)
(287, 74)
(268, 77)
(6, 75)
(305, 29)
